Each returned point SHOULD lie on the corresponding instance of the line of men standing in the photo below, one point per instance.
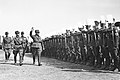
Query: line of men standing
(19, 46)
(97, 46)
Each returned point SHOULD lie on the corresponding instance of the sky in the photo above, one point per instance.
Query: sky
(52, 16)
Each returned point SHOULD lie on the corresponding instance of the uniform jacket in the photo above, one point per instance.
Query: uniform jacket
(7, 42)
(37, 42)
(25, 41)
(18, 43)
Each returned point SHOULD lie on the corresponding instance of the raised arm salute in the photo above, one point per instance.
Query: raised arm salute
(36, 45)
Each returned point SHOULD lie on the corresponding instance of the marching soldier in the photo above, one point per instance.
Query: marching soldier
(68, 40)
(37, 45)
(18, 48)
(7, 45)
(83, 44)
(25, 42)
(117, 24)
(97, 51)
(77, 47)
(113, 47)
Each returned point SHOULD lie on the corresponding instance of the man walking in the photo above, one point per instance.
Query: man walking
(25, 42)
(18, 48)
(7, 45)
(37, 45)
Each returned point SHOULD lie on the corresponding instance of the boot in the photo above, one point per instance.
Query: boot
(39, 64)
(112, 68)
(15, 59)
(102, 67)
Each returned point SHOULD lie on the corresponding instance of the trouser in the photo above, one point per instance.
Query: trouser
(113, 52)
(20, 52)
(36, 52)
(118, 58)
(24, 51)
(83, 54)
(90, 56)
(7, 53)
(105, 56)
(97, 54)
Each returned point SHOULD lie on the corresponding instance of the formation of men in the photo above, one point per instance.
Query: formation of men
(97, 46)
(19, 46)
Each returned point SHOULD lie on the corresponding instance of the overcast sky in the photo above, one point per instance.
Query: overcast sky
(50, 16)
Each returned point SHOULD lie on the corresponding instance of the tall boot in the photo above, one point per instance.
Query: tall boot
(20, 60)
(119, 64)
(107, 65)
(33, 59)
(15, 59)
(39, 61)
(6, 57)
(115, 65)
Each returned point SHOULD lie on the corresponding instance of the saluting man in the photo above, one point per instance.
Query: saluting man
(7, 45)
(37, 45)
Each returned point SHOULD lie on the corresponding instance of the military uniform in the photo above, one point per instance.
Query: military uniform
(37, 47)
(7, 45)
(77, 47)
(113, 50)
(18, 48)
(25, 42)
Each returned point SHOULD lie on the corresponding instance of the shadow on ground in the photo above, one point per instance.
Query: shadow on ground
(70, 67)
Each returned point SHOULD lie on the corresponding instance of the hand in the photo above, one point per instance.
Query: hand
(32, 29)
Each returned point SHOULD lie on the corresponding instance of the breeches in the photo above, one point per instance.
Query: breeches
(7, 50)
(36, 52)
(7, 53)
(16, 51)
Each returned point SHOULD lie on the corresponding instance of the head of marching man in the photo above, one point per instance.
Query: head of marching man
(22, 34)
(37, 32)
(6, 33)
(17, 33)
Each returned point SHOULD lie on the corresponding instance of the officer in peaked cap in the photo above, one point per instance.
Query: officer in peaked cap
(37, 45)
(7, 45)
(18, 48)
(17, 32)
(37, 31)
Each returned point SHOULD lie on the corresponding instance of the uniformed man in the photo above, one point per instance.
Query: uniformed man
(83, 44)
(18, 48)
(117, 24)
(7, 45)
(37, 46)
(25, 42)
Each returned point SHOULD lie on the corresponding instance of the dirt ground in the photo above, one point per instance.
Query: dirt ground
(51, 69)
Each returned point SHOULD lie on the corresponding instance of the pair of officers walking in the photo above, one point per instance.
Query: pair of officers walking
(19, 45)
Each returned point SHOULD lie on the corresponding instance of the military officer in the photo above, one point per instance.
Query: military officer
(7, 45)
(37, 45)
(117, 24)
(18, 48)
(25, 42)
